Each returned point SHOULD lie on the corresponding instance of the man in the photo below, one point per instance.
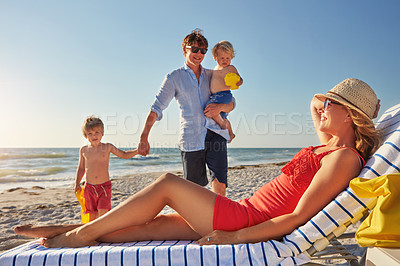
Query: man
(201, 140)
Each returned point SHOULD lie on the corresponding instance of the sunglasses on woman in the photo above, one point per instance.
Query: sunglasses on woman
(328, 102)
(196, 49)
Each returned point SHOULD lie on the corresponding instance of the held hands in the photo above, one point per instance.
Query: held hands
(218, 237)
(143, 148)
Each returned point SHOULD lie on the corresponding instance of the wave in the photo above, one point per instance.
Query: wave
(140, 157)
(33, 156)
(150, 163)
(144, 158)
(32, 172)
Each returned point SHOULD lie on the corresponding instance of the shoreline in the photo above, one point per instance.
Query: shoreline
(56, 167)
(39, 205)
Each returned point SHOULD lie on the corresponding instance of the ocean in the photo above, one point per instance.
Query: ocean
(56, 167)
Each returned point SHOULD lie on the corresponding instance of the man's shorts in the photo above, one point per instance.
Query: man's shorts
(97, 196)
(214, 156)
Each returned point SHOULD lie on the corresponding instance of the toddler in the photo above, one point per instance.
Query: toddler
(223, 53)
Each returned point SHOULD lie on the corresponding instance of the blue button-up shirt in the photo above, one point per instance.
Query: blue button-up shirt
(192, 96)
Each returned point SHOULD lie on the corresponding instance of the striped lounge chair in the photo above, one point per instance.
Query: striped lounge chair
(295, 248)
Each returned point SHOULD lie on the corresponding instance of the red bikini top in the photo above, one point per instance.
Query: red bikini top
(305, 164)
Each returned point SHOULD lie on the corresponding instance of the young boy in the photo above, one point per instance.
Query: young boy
(93, 160)
(223, 53)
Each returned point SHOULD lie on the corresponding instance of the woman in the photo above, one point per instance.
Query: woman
(342, 119)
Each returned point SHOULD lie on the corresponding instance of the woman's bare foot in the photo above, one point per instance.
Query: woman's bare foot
(47, 231)
(75, 238)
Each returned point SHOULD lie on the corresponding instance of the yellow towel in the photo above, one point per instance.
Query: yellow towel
(80, 196)
(382, 226)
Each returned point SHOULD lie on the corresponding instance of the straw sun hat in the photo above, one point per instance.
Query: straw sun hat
(355, 94)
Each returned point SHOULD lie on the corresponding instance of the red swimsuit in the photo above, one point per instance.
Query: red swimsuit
(278, 197)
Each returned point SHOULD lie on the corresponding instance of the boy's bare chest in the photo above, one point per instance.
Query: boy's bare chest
(96, 156)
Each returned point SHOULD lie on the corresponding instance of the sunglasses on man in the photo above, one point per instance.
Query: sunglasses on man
(328, 102)
(196, 49)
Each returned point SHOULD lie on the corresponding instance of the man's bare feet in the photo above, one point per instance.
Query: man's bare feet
(47, 231)
(73, 239)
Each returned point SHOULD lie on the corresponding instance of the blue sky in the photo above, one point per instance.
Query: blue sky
(61, 61)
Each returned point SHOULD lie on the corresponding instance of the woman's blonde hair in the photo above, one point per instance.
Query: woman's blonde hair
(368, 138)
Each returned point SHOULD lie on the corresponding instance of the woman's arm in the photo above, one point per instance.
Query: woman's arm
(317, 108)
(337, 170)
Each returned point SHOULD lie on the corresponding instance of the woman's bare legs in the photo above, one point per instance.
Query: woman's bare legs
(163, 227)
(44, 230)
(194, 204)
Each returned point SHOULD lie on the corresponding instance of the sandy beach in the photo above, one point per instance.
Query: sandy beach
(59, 205)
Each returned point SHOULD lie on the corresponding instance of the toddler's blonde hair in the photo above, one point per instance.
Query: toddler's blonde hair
(224, 46)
